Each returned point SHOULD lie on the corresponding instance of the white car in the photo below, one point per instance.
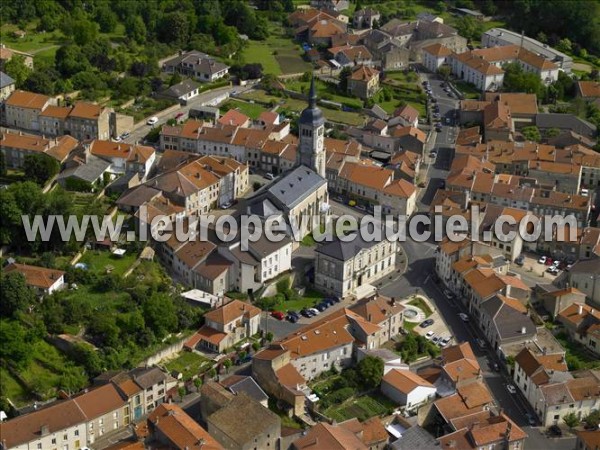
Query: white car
(430, 335)
(463, 317)
(543, 260)
(315, 311)
(444, 341)
(510, 388)
(269, 176)
(152, 121)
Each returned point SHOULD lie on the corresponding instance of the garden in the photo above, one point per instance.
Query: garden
(287, 299)
(189, 364)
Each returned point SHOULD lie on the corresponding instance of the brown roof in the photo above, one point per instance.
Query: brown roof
(40, 277)
(405, 381)
(590, 438)
(364, 73)
(85, 110)
(589, 89)
(60, 112)
(571, 314)
(487, 431)
(437, 50)
(409, 131)
(376, 310)
(324, 436)
(365, 175)
(129, 387)
(195, 251)
(517, 102)
(25, 99)
(100, 401)
(373, 431)
(180, 429)
(407, 112)
(208, 334)
(234, 117)
(214, 266)
(289, 376)
(24, 142)
(63, 148)
(584, 388)
(232, 311)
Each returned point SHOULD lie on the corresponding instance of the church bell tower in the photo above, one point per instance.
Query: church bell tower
(311, 127)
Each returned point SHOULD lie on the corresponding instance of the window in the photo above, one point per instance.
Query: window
(76, 433)
(53, 440)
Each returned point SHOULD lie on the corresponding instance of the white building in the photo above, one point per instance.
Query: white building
(407, 388)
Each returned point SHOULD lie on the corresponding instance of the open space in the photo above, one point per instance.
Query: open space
(362, 408)
(188, 364)
(103, 261)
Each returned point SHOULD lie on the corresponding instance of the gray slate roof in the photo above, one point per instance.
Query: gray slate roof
(201, 62)
(90, 171)
(146, 378)
(508, 321)
(415, 438)
(565, 121)
(250, 388)
(5, 80)
(294, 186)
(345, 251)
(586, 266)
(180, 89)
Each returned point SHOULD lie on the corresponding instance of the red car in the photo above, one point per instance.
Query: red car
(277, 315)
(549, 261)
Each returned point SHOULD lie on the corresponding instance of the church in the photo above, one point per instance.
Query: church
(299, 195)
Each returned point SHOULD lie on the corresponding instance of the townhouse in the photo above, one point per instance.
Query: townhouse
(365, 18)
(341, 268)
(585, 276)
(582, 323)
(351, 55)
(225, 326)
(407, 388)
(388, 52)
(52, 120)
(43, 280)
(124, 158)
(16, 147)
(88, 121)
(197, 65)
(7, 86)
(435, 56)
(363, 82)
(22, 109)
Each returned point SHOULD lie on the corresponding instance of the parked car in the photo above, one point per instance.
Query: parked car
(481, 343)
(463, 317)
(292, 319)
(306, 313)
(314, 311)
(552, 270)
(152, 121)
(226, 205)
(328, 301)
(549, 261)
(336, 299)
(429, 335)
(449, 295)
(269, 176)
(531, 420)
(293, 313)
(542, 259)
(125, 135)
(436, 340)
(445, 341)
(321, 307)
(520, 260)
(495, 366)
(510, 388)
(426, 323)
(277, 315)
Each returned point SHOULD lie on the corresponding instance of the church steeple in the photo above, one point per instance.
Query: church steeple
(311, 127)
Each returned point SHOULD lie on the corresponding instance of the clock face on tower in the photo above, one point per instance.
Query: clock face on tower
(319, 143)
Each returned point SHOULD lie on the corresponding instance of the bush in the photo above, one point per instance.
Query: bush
(340, 396)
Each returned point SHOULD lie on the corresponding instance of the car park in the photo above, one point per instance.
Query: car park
(510, 388)
(426, 323)
(277, 315)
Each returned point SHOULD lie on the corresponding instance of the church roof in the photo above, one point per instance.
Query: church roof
(313, 114)
(294, 186)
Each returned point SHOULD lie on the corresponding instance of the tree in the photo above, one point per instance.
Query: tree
(571, 420)
(17, 70)
(345, 73)
(227, 364)
(135, 28)
(516, 80)
(15, 346)
(552, 132)
(17, 295)
(592, 420)
(469, 28)
(564, 45)
(197, 383)
(181, 392)
(174, 29)
(69, 60)
(532, 134)
(40, 81)
(269, 336)
(175, 79)
(444, 72)
(160, 314)
(84, 31)
(255, 346)
(40, 167)
(370, 370)
(106, 19)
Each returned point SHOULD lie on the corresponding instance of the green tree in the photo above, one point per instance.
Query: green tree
(84, 31)
(269, 336)
(17, 295)
(552, 132)
(160, 314)
(40, 168)
(135, 28)
(444, 72)
(69, 60)
(469, 28)
(592, 420)
(227, 364)
(344, 75)
(197, 383)
(15, 347)
(181, 392)
(87, 357)
(564, 45)
(370, 370)
(175, 79)
(40, 81)
(532, 134)
(107, 19)
(17, 70)
(174, 29)
(571, 420)
(516, 80)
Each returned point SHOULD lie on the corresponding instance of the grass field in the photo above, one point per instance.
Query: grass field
(98, 260)
(189, 364)
(278, 54)
(362, 408)
(252, 110)
(309, 300)
(11, 388)
(467, 89)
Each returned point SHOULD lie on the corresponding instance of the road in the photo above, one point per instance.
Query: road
(139, 133)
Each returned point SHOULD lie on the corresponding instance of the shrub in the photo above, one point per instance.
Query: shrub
(340, 396)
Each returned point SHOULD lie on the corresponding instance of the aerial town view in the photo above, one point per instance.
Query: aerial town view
(300, 224)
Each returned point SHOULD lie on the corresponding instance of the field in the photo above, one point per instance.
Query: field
(252, 110)
(188, 364)
(99, 260)
(362, 408)
(405, 88)
(278, 54)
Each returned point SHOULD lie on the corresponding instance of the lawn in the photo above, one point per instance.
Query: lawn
(578, 357)
(252, 110)
(11, 389)
(362, 408)
(467, 89)
(101, 301)
(189, 364)
(310, 298)
(99, 260)
(146, 108)
(420, 303)
(325, 91)
(278, 53)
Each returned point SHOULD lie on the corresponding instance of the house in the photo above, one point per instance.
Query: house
(495, 37)
(124, 158)
(588, 90)
(578, 395)
(384, 312)
(363, 82)
(235, 118)
(409, 138)
(435, 56)
(43, 280)
(351, 55)
(244, 424)
(83, 170)
(226, 326)
(389, 53)
(247, 385)
(22, 109)
(459, 366)
(170, 426)
(53, 118)
(154, 383)
(484, 430)
(405, 116)
(197, 65)
(6, 54)
(7, 86)
(407, 388)
(406, 165)
(15, 147)
(555, 299)
(182, 92)
(333, 5)
(585, 276)
(350, 434)
(365, 18)
(342, 267)
(582, 323)
(588, 440)
(88, 121)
